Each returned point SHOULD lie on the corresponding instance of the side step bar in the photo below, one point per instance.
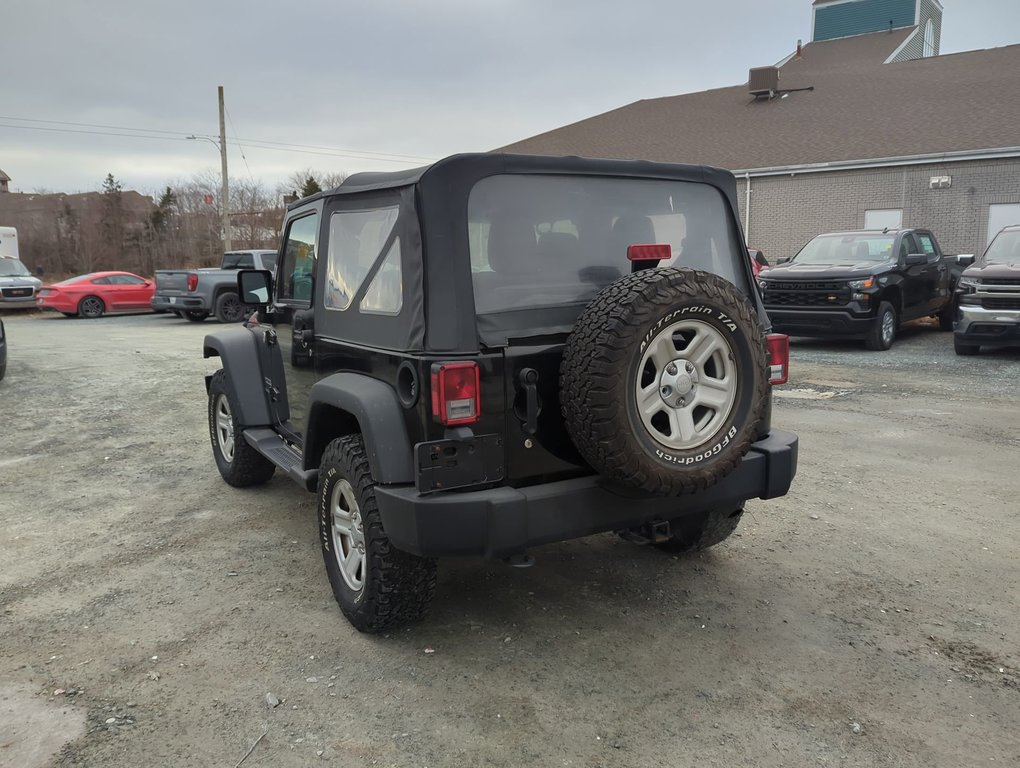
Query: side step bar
(272, 446)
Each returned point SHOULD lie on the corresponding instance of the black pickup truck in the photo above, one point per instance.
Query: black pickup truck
(862, 284)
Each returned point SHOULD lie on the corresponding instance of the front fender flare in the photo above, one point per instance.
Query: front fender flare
(239, 351)
(375, 407)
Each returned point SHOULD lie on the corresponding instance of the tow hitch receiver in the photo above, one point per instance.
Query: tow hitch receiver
(651, 533)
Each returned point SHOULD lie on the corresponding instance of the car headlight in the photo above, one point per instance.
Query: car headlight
(763, 284)
(970, 285)
(860, 285)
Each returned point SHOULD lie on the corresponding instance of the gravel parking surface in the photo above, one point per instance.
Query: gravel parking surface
(147, 609)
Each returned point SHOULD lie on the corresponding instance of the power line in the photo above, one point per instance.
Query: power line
(262, 143)
(86, 125)
(234, 129)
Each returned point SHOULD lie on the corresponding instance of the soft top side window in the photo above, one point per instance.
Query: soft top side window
(356, 242)
(294, 277)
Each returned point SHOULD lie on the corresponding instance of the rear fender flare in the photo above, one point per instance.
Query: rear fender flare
(347, 403)
(239, 351)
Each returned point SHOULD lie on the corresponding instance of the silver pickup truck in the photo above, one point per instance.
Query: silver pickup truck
(195, 294)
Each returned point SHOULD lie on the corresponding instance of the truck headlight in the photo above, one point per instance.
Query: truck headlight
(763, 284)
(970, 285)
(861, 285)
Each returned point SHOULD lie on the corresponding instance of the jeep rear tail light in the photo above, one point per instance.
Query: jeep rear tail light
(192, 282)
(456, 393)
(779, 357)
(651, 252)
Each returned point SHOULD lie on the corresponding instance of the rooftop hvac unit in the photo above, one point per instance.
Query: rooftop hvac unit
(764, 81)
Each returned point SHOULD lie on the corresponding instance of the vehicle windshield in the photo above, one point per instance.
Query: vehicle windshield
(847, 249)
(1005, 249)
(548, 241)
(13, 268)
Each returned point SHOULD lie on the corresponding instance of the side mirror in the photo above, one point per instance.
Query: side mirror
(916, 259)
(783, 260)
(255, 286)
(965, 259)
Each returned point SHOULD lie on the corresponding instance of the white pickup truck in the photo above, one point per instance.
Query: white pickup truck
(197, 293)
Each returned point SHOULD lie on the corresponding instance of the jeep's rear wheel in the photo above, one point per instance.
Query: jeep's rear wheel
(239, 464)
(376, 585)
(663, 384)
(699, 532)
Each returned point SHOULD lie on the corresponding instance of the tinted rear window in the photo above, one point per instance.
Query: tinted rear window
(543, 241)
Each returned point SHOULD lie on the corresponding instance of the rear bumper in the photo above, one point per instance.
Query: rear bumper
(504, 521)
(185, 303)
(988, 327)
(811, 322)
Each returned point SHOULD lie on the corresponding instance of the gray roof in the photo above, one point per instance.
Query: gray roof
(860, 109)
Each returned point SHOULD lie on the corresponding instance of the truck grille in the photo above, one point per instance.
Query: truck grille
(1006, 281)
(816, 294)
(17, 293)
(1001, 303)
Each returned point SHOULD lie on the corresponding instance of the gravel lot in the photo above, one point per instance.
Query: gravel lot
(868, 618)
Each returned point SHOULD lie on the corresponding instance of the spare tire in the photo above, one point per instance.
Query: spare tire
(663, 384)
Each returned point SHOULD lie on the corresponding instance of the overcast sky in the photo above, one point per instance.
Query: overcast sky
(417, 78)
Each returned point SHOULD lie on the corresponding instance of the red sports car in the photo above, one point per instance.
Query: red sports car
(95, 294)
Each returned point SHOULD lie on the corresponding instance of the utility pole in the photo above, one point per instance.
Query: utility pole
(225, 193)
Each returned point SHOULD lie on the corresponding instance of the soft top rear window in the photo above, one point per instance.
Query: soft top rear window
(543, 241)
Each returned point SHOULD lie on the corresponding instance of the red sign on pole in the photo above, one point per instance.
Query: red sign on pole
(208, 199)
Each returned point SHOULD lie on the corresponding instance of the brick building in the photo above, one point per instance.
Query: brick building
(865, 126)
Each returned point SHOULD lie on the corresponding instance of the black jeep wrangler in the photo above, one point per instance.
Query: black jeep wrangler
(501, 351)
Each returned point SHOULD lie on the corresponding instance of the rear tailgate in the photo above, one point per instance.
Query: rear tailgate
(171, 282)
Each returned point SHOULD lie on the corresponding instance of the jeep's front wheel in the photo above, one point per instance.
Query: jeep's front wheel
(239, 464)
(376, 585)
(663, 383)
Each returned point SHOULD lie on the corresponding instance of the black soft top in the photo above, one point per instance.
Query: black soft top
(439, 195)
(469, 167)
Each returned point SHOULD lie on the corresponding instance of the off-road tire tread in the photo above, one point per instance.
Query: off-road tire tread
(601, 346)
(399, 586)
(249, 467)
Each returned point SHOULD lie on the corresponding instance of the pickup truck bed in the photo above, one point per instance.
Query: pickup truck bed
(197, 293)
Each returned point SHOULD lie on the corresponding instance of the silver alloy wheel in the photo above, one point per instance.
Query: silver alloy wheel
(91, 306)
(348, 534)
(684, 396)
(224, 428)
(888, 327)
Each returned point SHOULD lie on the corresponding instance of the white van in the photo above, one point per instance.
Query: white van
(17, 285)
